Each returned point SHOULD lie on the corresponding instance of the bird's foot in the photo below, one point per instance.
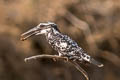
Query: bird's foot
(66, 59)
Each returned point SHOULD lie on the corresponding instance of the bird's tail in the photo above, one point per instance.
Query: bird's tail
(93, 61)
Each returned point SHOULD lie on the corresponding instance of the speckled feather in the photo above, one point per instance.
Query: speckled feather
(65, 46)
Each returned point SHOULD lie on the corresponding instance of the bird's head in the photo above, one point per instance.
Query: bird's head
(42, 28)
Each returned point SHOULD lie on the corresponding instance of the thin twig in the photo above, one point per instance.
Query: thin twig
(45, 56)
(80, 69)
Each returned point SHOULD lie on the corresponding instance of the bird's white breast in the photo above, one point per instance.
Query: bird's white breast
(63, 45)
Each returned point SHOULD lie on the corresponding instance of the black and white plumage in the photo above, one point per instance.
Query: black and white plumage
(63, 44)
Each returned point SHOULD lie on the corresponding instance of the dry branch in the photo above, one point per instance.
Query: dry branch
(59, 57)
(45, 56)
(77, 66)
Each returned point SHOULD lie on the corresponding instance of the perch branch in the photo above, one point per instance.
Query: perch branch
(59, 57)
(45, 56)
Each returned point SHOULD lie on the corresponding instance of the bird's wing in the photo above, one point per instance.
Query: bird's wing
(81, 53)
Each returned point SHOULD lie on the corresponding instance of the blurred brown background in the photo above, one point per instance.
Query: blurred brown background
(94, 24)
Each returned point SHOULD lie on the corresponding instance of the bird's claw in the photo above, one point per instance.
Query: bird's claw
(66, 59)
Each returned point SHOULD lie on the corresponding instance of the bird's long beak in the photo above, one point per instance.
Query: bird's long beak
(29, 33)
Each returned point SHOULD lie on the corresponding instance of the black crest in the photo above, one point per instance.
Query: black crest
(55, 27)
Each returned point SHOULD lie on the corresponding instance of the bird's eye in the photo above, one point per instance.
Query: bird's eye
(53, 25)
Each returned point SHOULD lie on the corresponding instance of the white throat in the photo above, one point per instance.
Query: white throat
(52, 32)
(55, 31)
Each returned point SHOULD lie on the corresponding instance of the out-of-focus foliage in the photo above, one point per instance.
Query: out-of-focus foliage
(94, 24)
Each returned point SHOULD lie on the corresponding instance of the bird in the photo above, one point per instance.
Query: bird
(63, 44)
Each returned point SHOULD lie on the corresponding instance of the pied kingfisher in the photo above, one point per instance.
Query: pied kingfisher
(63, 44)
